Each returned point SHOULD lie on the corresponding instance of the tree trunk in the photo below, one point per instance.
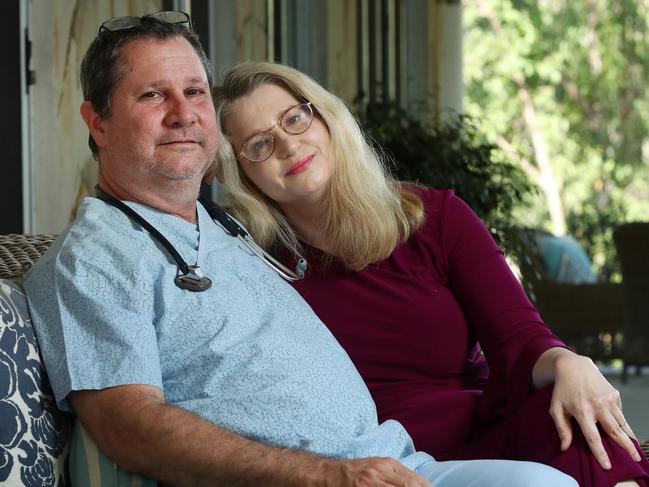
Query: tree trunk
(545, 177)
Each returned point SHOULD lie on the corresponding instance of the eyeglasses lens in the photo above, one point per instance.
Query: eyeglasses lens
(297, 119)
(259, 147)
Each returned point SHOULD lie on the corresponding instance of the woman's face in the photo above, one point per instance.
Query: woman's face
(298, 170)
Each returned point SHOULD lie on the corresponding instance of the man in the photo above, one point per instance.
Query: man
(233, 384)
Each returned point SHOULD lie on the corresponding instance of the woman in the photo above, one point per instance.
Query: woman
(410, 281)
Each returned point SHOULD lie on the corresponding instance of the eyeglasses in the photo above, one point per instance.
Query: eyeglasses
(294, 121)
(128, 22)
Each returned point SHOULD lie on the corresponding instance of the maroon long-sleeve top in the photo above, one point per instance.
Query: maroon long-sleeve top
(421, 327)
(412, 324)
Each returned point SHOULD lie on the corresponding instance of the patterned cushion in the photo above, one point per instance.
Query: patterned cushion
(33, 432)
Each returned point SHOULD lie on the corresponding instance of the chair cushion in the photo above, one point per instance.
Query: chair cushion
(34, 434)
(565, 259)
(90, 467)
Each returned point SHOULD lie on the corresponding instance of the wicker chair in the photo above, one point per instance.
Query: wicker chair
(588, 317)
(19, 252)
(632, 244)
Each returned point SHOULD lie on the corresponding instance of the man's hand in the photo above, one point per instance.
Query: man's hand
(372, 472)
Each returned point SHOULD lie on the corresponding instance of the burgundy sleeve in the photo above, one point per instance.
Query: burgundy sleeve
(499, 313)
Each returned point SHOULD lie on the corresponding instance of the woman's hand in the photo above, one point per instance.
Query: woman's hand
(581, 392)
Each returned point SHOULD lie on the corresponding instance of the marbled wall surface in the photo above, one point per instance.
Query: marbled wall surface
(342, 58)
(62, 167)
(239, 32)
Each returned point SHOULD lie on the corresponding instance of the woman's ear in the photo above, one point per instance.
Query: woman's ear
(94, 122)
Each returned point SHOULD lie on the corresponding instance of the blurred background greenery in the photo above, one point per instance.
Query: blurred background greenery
(453, 153)
(560, 88)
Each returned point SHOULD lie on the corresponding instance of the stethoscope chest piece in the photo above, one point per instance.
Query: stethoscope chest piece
(194, 280)
(191, 284)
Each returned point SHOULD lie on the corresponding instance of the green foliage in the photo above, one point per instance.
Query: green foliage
(586, 66)
(454, 155)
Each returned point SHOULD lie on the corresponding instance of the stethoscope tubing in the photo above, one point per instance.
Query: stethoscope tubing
(190, 277)
(273, 263)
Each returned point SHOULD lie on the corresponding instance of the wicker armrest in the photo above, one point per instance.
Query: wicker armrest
(19, 252)
(644, 444)
(581, 309)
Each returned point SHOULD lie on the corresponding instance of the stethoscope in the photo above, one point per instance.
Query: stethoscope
(190, 277)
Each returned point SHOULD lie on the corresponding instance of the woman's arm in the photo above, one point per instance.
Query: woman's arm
(522, 352)
(499, 313)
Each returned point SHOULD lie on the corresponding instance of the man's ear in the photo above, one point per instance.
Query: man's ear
(94, 122)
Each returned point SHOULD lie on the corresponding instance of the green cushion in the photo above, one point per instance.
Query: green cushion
(89, 467)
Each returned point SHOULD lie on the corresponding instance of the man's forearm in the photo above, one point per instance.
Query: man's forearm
(141, 433)
(134, 427)
(181, 449)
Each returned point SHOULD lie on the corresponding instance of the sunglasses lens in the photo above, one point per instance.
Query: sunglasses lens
(120, 23)
(171, 16)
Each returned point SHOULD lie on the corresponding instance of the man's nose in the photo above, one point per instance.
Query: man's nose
(181, 112)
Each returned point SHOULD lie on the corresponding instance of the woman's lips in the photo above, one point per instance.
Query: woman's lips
(301, 165)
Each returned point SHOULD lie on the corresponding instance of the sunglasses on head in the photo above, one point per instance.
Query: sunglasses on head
(128, 22)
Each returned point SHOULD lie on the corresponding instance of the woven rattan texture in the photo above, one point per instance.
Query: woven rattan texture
(19, 252)
(644, 444)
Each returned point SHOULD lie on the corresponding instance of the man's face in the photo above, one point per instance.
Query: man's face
(162, 125)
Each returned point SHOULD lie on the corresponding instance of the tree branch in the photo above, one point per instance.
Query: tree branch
(592, 39)
(530, 169)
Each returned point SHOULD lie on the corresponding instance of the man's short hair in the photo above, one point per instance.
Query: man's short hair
(101, 69)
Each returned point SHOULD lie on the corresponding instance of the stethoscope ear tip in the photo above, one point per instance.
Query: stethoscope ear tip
(300, 267)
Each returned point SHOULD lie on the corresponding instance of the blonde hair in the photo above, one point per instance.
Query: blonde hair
(366, 212)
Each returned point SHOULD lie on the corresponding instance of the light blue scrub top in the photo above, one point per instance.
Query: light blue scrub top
(248, 354)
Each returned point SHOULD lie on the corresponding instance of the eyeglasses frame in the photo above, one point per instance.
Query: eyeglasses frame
(279, 122)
